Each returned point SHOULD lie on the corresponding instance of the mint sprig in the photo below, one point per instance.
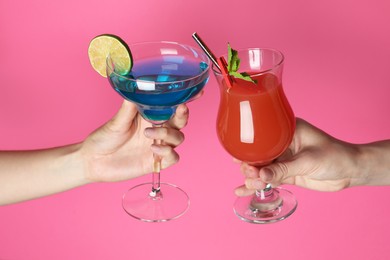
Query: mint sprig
(234, 65)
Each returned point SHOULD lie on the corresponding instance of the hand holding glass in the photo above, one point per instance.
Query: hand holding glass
(164, 75)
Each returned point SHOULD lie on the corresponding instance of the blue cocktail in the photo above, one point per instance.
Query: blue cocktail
(164, 75)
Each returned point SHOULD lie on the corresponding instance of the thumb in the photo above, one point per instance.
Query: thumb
(124, 117)
(279, 173)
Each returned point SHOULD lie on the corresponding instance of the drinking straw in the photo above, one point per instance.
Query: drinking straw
(206, 50)
(219, 63)
(223, 65)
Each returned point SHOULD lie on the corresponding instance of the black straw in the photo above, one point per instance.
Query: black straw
(206, 50)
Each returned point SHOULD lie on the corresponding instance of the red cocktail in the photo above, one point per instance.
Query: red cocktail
(256, 124)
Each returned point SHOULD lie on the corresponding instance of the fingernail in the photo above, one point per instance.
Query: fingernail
(248, 170)
(155, 149)
(148, 132)
(184, 110)
(267, 175)
(258, 184)
(238, 192)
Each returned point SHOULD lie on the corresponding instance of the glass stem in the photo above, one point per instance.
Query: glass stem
(156, 169)
(266, 192)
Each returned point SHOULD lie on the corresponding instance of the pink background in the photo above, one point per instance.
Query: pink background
(336, 76)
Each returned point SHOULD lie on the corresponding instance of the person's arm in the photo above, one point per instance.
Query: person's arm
(318, 161)
(119, 150)
(31, 174)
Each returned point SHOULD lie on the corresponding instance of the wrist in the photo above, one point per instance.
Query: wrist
(361, 169)
(373, 163)
(77, 164)
(91, 163)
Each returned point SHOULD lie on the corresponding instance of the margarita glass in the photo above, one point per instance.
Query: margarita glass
(164, 75)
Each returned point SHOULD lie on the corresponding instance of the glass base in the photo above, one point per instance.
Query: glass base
(142, 203)
(266, 206)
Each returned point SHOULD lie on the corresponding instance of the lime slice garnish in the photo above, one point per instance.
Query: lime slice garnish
(104, 45)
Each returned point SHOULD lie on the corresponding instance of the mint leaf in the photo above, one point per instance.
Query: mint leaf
(243, 76)
(234, 64)
(230, 54)
(233, 60)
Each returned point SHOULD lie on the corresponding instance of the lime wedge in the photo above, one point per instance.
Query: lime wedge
(103, 45)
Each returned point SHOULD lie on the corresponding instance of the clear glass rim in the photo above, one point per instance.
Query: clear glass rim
(217, 72)
(207, 60)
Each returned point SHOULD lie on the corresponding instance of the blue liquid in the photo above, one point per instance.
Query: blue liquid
(157, 102)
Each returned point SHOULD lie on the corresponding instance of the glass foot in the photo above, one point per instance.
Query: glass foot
(145, 204)
(266, 206)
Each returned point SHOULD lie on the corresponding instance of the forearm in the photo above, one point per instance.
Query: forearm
(373, 164)
(31, 174)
